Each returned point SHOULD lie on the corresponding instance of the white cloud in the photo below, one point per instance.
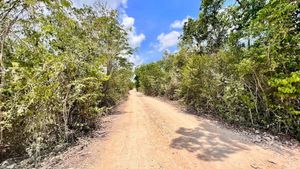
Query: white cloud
(136, 60)
(114, 4)
(128, 22)
(178, 24)
(168, 40)
(135, 40)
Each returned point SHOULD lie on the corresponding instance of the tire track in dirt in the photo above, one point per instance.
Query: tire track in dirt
(152, 134)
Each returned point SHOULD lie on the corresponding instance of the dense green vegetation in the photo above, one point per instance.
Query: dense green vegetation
(61, 67)
(241, 63)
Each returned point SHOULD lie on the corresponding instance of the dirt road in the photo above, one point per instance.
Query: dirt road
(150, 134)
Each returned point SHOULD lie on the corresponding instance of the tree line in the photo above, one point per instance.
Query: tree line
(239, 62)
(61, 67)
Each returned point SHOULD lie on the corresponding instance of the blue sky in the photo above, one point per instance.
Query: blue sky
(154, 18)
(153, 25)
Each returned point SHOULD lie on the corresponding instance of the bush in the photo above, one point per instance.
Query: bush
(58, 73)
(240, 63)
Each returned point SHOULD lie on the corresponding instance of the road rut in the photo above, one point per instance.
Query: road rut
(148, 133)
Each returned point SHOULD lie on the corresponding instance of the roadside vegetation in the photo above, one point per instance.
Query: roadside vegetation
(240, 62)
(61, 68)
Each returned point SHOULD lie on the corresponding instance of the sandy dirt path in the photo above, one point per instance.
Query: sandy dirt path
(148, 133)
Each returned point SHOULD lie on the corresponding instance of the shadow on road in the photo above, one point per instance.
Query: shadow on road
(208, 143)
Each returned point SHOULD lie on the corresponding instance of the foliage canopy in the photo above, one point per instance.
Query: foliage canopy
(61, 67)
(240, 62)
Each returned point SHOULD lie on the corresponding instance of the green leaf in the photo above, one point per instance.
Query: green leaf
(66, 3)
(30, 2)
(295, 112)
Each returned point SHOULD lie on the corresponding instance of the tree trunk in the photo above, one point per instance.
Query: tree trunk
(66, 114)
